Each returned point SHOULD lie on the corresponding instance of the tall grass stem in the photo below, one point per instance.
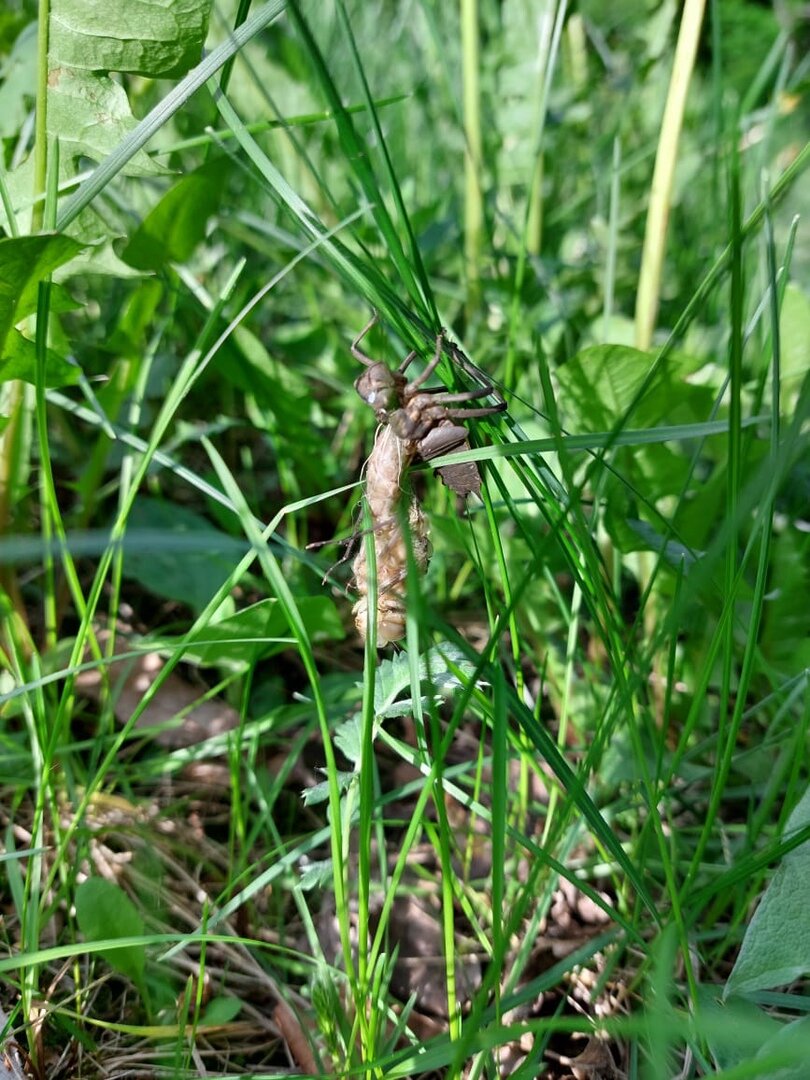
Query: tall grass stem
(655, 235)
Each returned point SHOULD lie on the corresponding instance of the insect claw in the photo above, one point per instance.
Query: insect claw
(356, 353)
(431, 367)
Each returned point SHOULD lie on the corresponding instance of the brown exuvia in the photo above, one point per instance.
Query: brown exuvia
(384, 496)
(416, 423)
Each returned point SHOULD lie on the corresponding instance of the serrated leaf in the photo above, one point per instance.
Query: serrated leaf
(20, 362)
(400, 707)
(348, 739)
(440, 664)
(390, 679)
(317, 875)
(91, 231)
(104, 913)
(319, 793)
(90, 115)
(24, 262)
(776, 946)
(155, 38)
(172, 229)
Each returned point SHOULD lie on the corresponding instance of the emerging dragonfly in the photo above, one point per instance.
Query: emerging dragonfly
(424, 416)
(416, 423)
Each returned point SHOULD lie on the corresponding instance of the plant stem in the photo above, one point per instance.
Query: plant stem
(41, 124)
(473, 197)
(652, 258)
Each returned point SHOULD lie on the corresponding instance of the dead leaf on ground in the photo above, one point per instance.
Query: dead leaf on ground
(130, 679)
(594, 1063)
(416, 931)
(295, 1038)
(12, 1059)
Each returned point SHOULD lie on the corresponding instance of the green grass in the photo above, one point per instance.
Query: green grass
(571, 806)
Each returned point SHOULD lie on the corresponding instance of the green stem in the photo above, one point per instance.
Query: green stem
(41, 124)
(551, 28)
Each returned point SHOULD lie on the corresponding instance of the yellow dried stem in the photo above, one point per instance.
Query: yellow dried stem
(384, 495)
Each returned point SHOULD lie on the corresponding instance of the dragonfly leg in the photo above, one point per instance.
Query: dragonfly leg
(356, 353)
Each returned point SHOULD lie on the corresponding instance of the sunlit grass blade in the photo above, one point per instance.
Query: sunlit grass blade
(357, 157)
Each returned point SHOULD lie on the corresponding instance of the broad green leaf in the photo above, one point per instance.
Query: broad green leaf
(793, 1042)
(632, 534)
(156, 38)
(24, 262)
(794, 330)
(105, 912)
(259, 630)
(20, 362)
(735, 1030)
(221, 1010)
(19, 75)
(60, 300)
(90, 115)
(189, 575)
(776, 946)
(165, 109)
(600, 383)
(598, 387)
(172, 230)
(785, 634)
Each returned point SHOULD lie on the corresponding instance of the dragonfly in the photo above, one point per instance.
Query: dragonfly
(425, 418)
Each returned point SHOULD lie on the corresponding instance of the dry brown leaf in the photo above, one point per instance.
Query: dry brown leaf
(594, 1063)
(12, 1065)
(131, 678)
(293, 1034)
(420, 966)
